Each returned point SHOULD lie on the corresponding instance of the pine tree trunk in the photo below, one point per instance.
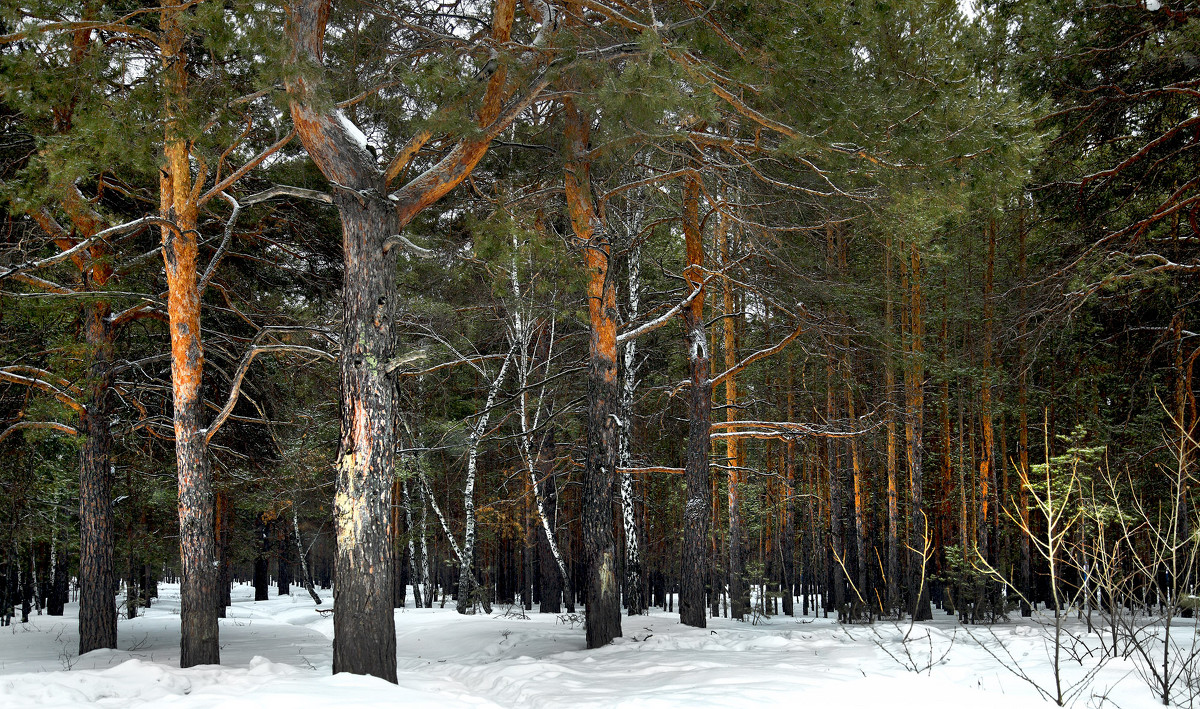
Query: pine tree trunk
(893, 490)
(987, 464)
(918, 588)
(738, 591)
(198, 594)
(789, 503)
(262, 561)
(601, 589)
(224, 536)
(97, 604)
(696, 472)
(1027, 588)
(364, 627)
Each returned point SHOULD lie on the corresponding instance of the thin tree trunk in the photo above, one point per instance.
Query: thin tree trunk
(418, 562)
(262, 562)
(223, 514)
(469, 594)
(893, 490)
(987, 464)
(789, 504)
(553, 570)
(306, 578)
(1023, 424)
(635, 600)
(738, 592)
(918, 588)
(836, 494)
(696, 475)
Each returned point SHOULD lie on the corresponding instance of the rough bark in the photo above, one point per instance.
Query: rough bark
(364, 628)
(97, 603)
(198, 583)
(601, 586)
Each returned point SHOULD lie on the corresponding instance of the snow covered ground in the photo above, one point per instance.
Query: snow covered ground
(277, 653)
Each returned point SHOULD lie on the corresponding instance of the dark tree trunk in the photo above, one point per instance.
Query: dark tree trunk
(224, 518)
(97, 602)
(399, 548)
(59, 590)
(364, 627)
(788, 534)
(285, 557)
(692, 609)
(262, 562)
(601, 587)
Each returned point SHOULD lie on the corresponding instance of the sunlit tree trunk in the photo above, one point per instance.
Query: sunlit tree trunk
(198, 593)
(601, 589)
(738, 593)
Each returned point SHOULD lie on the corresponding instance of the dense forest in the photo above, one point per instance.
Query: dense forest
(864, 309)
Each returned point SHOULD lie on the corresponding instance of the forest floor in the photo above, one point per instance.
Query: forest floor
(277, 653)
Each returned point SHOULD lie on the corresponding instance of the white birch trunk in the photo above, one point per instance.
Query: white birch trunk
(466, 579)
(418, 565)
(634, 600)
(308, 584)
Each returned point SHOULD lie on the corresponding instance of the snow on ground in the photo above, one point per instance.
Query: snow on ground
(277, 653)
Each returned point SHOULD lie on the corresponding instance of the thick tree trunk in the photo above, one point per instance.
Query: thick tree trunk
(601, 587)
(364, 627)
(97, 603)
(696, 470)
(198, 594)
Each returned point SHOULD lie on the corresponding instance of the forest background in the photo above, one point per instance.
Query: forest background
(780, 307)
